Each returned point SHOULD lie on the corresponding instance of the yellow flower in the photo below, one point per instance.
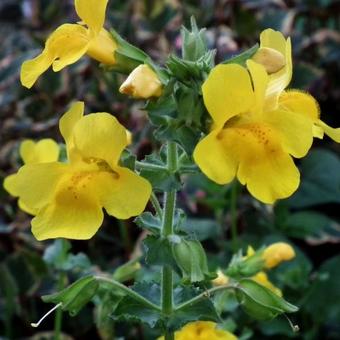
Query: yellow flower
(250, 140)
(69, 42)
(202, 330)
(276, 253)
(44, 151)
(69, 197)
(275, 54)
(221, 279)
(142, 82)
(262, 279)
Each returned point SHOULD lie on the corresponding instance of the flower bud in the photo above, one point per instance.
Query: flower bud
(221, 279)
(277, 253)
(191, 259)
(142, 82)
(272, 60)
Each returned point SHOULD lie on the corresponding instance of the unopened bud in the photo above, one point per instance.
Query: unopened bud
(272, 60)
(221, 279)
(142, 82)
(277, 253)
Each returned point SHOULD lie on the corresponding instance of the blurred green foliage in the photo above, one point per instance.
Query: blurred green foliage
(309, 219)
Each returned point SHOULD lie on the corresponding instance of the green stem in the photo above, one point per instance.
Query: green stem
(202, 296)
(167, 229)
(156, 205)
(58, 319)
(129, 292)
(233, 214)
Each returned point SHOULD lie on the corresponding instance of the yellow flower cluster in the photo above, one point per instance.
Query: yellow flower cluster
(272, 256)
(257, 126)
(67, 199)
(202, 330)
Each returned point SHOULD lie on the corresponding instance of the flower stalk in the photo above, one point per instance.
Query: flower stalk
(167, 229)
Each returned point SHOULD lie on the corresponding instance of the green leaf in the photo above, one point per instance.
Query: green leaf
(149, 222)
(128, 159)
(260, 302)
(158, 251)
(76, 296)
(202, 310)
(129, 309)
(194, 44)
(311, 224)
(160, 178)
(324, 295)
(320, 174)
(243, 57)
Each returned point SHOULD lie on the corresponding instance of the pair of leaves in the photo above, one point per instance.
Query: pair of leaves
(130, 310)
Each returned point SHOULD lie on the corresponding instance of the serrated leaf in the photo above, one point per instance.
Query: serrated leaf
(149, 222)
(129, 309)
(158, 251)
(203, 310)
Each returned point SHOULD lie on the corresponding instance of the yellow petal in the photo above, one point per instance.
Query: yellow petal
(67, 44)
(142, 82)
(44, 151)
(100, 136)
(277, 253)
(278, 81)
(267, 170)
(271, 59)
(260, 82)
(92, 12)
(300, 102)
(333, 133)
(102, 48)
(227, 92)
(67, 123)
(296, 131)
(32, 69)
(125, 195)
(214, 159)
(74, 216)
(35, 183)
(262, 279)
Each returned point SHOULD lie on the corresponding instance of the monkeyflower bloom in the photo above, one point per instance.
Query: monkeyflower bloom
(202, 330)
(142, 82)
(69, 198)
(69, 42)
(276, 253)
(44, 151)
(275, 54)
(249, 141)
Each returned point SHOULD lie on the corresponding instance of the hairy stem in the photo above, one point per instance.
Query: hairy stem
(167, 229)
